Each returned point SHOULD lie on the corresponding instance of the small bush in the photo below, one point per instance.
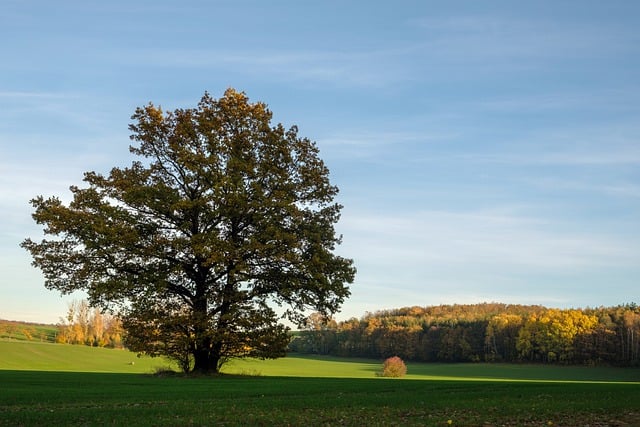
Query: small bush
(163, 371)
(394, 367)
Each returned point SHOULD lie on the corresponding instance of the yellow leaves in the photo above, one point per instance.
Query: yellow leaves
(154, 113)
(552, 333)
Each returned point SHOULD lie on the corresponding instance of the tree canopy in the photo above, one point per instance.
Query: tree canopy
(223, 217)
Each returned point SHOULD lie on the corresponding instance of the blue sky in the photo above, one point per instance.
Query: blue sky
(485, 151)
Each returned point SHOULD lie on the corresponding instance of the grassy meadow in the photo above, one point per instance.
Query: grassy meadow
(22, 331)
(57, 384)
(37, 356)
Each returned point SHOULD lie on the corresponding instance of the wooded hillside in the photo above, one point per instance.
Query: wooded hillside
(489, 332)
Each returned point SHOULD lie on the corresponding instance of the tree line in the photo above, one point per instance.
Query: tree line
(87, 325)
(489, 332)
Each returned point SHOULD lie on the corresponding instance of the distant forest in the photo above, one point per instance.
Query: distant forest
(489, 332)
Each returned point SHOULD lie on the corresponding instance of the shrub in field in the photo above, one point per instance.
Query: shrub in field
(394, 367)
(163, 371)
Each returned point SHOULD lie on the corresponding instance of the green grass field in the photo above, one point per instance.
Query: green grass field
(36, 356)
(53, 384)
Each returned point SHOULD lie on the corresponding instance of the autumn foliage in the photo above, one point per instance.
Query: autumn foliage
(394, 367)
(489, 332)
(87, 325)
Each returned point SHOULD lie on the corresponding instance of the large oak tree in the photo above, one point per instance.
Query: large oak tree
(222, 218)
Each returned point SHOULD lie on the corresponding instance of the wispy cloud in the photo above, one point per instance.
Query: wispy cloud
(48, 116)
(594, 186)
(378, 146)
(19, 183)
(594, 101)
(481, 241)
(26, 95)
(358, 68)
(436, 257)
(583, 143)
(496, 37)
(628, 156)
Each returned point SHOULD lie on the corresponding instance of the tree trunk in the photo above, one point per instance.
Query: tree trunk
(202, 350)
(205, 363)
